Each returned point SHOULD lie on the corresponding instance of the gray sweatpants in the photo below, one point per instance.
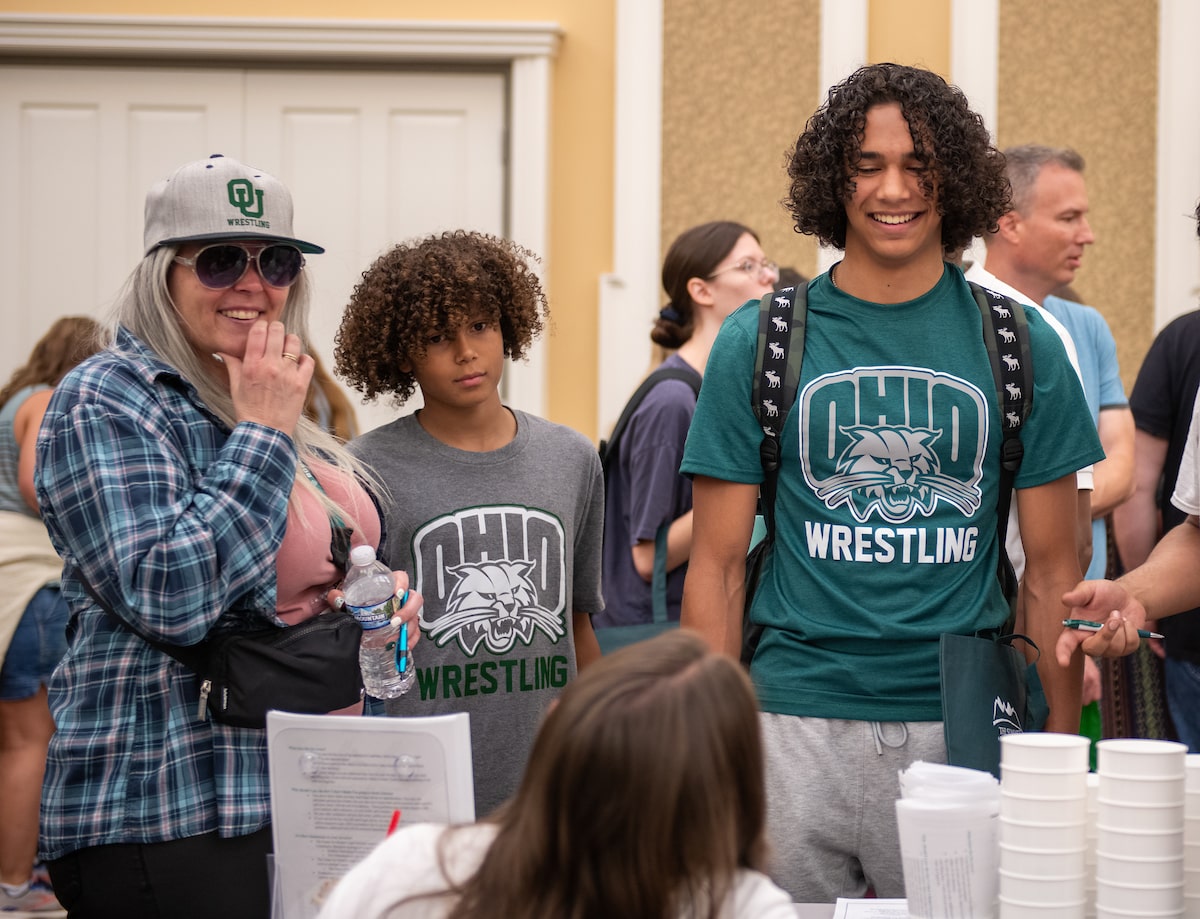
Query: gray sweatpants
(832, 787)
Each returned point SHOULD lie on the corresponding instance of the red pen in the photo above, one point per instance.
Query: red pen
(395, 822)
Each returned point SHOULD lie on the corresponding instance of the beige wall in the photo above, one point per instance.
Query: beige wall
(581, 157)
(739, 80)
(1084, 75)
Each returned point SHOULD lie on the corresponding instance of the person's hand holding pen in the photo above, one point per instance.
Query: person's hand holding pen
(1109, 605)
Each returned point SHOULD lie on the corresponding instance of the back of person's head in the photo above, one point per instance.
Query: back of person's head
(643, 794)
(66, 343)
(965, 173)
(1023, 164)
(430, 285)
(695, 253)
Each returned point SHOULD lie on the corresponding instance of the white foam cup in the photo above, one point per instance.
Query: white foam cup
(1049, 889)
(1036, 750)
(1033, 834)
(1018, 860)
(1126, 869)
(1022, 909)
(1043, 808)
(1110, 913)
(1140, 757)
(1147, 898)
(1124, 816)
(1151, 789)
(1060, 783)
(1191, 770)
(1138, 843)
(1191, 853)
(1191, 882)
(1191, 805)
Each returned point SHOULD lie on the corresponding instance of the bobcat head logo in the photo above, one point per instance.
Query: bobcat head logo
(892, 471)
(494, 602)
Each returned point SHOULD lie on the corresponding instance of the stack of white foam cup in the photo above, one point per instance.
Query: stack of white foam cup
(1093, 809)
(1139, 823)
(1043, 826)
(1191, 836)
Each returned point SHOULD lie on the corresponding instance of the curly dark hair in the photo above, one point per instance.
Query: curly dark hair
(428, 285)
(964, 167)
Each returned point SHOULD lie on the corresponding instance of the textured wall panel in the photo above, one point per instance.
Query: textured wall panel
(739, 82)
(1084, 75)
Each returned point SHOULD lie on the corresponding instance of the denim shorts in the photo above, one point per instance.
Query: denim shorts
(37, 645)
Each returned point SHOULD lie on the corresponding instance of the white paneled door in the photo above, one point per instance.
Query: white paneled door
(371, 158)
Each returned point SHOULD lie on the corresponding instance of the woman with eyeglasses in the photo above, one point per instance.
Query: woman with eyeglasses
(709, 271)
(186, 493)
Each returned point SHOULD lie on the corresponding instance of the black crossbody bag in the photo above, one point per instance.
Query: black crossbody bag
(310, 668)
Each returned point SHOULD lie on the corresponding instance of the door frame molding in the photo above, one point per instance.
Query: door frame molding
(526, 47)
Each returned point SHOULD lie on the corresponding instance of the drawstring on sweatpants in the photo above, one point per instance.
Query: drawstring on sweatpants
(881, 740)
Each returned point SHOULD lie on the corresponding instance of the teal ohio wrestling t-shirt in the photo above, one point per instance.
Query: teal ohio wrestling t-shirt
(886, 506)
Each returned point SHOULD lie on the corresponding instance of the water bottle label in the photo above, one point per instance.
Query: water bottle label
(373, 617)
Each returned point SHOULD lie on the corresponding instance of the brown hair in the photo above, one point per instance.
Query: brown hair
(643, 795)
(695, 253)
(65, 344)
(429, 285)
(951, 140)
(327, 405)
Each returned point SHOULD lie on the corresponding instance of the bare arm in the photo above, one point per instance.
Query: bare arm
(25, 429)
(1114, 473)
(587, 648)
(1136, 523)
(714, 591)
(1047, 519)
(679, 548)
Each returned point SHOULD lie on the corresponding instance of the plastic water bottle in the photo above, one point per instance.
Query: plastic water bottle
(371, 597)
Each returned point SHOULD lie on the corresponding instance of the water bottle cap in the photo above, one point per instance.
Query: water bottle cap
(362, 555)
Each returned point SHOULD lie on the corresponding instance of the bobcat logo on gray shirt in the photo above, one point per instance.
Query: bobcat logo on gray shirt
(493, 576)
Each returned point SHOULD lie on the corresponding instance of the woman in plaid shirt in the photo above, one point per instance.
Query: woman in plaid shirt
(174, 478)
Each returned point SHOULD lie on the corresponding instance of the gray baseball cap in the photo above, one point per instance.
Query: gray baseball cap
(220, 198)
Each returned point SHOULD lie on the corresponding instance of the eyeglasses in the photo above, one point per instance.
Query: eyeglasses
(222, 265)
(751, 266)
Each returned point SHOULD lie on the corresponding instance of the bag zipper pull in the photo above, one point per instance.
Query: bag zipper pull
(202, 709)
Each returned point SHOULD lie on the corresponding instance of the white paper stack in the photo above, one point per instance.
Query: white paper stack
(947, 821)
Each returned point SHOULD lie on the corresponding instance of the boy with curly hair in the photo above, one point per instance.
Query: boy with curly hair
(888, 483)
(496, 514)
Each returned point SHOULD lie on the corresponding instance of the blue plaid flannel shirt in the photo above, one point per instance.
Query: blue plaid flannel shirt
(176, 522)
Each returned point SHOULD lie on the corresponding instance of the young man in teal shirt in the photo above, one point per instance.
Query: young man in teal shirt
(888, 486)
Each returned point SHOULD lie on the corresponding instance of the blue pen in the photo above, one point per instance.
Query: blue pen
(402, 644)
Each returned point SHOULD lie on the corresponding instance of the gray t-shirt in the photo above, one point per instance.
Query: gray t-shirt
(503, 546)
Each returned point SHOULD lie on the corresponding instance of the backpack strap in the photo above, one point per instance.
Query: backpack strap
(1006, 335)
(782, 322)
(608, 448)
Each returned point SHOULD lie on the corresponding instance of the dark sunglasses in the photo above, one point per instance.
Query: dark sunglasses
(222, 265)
